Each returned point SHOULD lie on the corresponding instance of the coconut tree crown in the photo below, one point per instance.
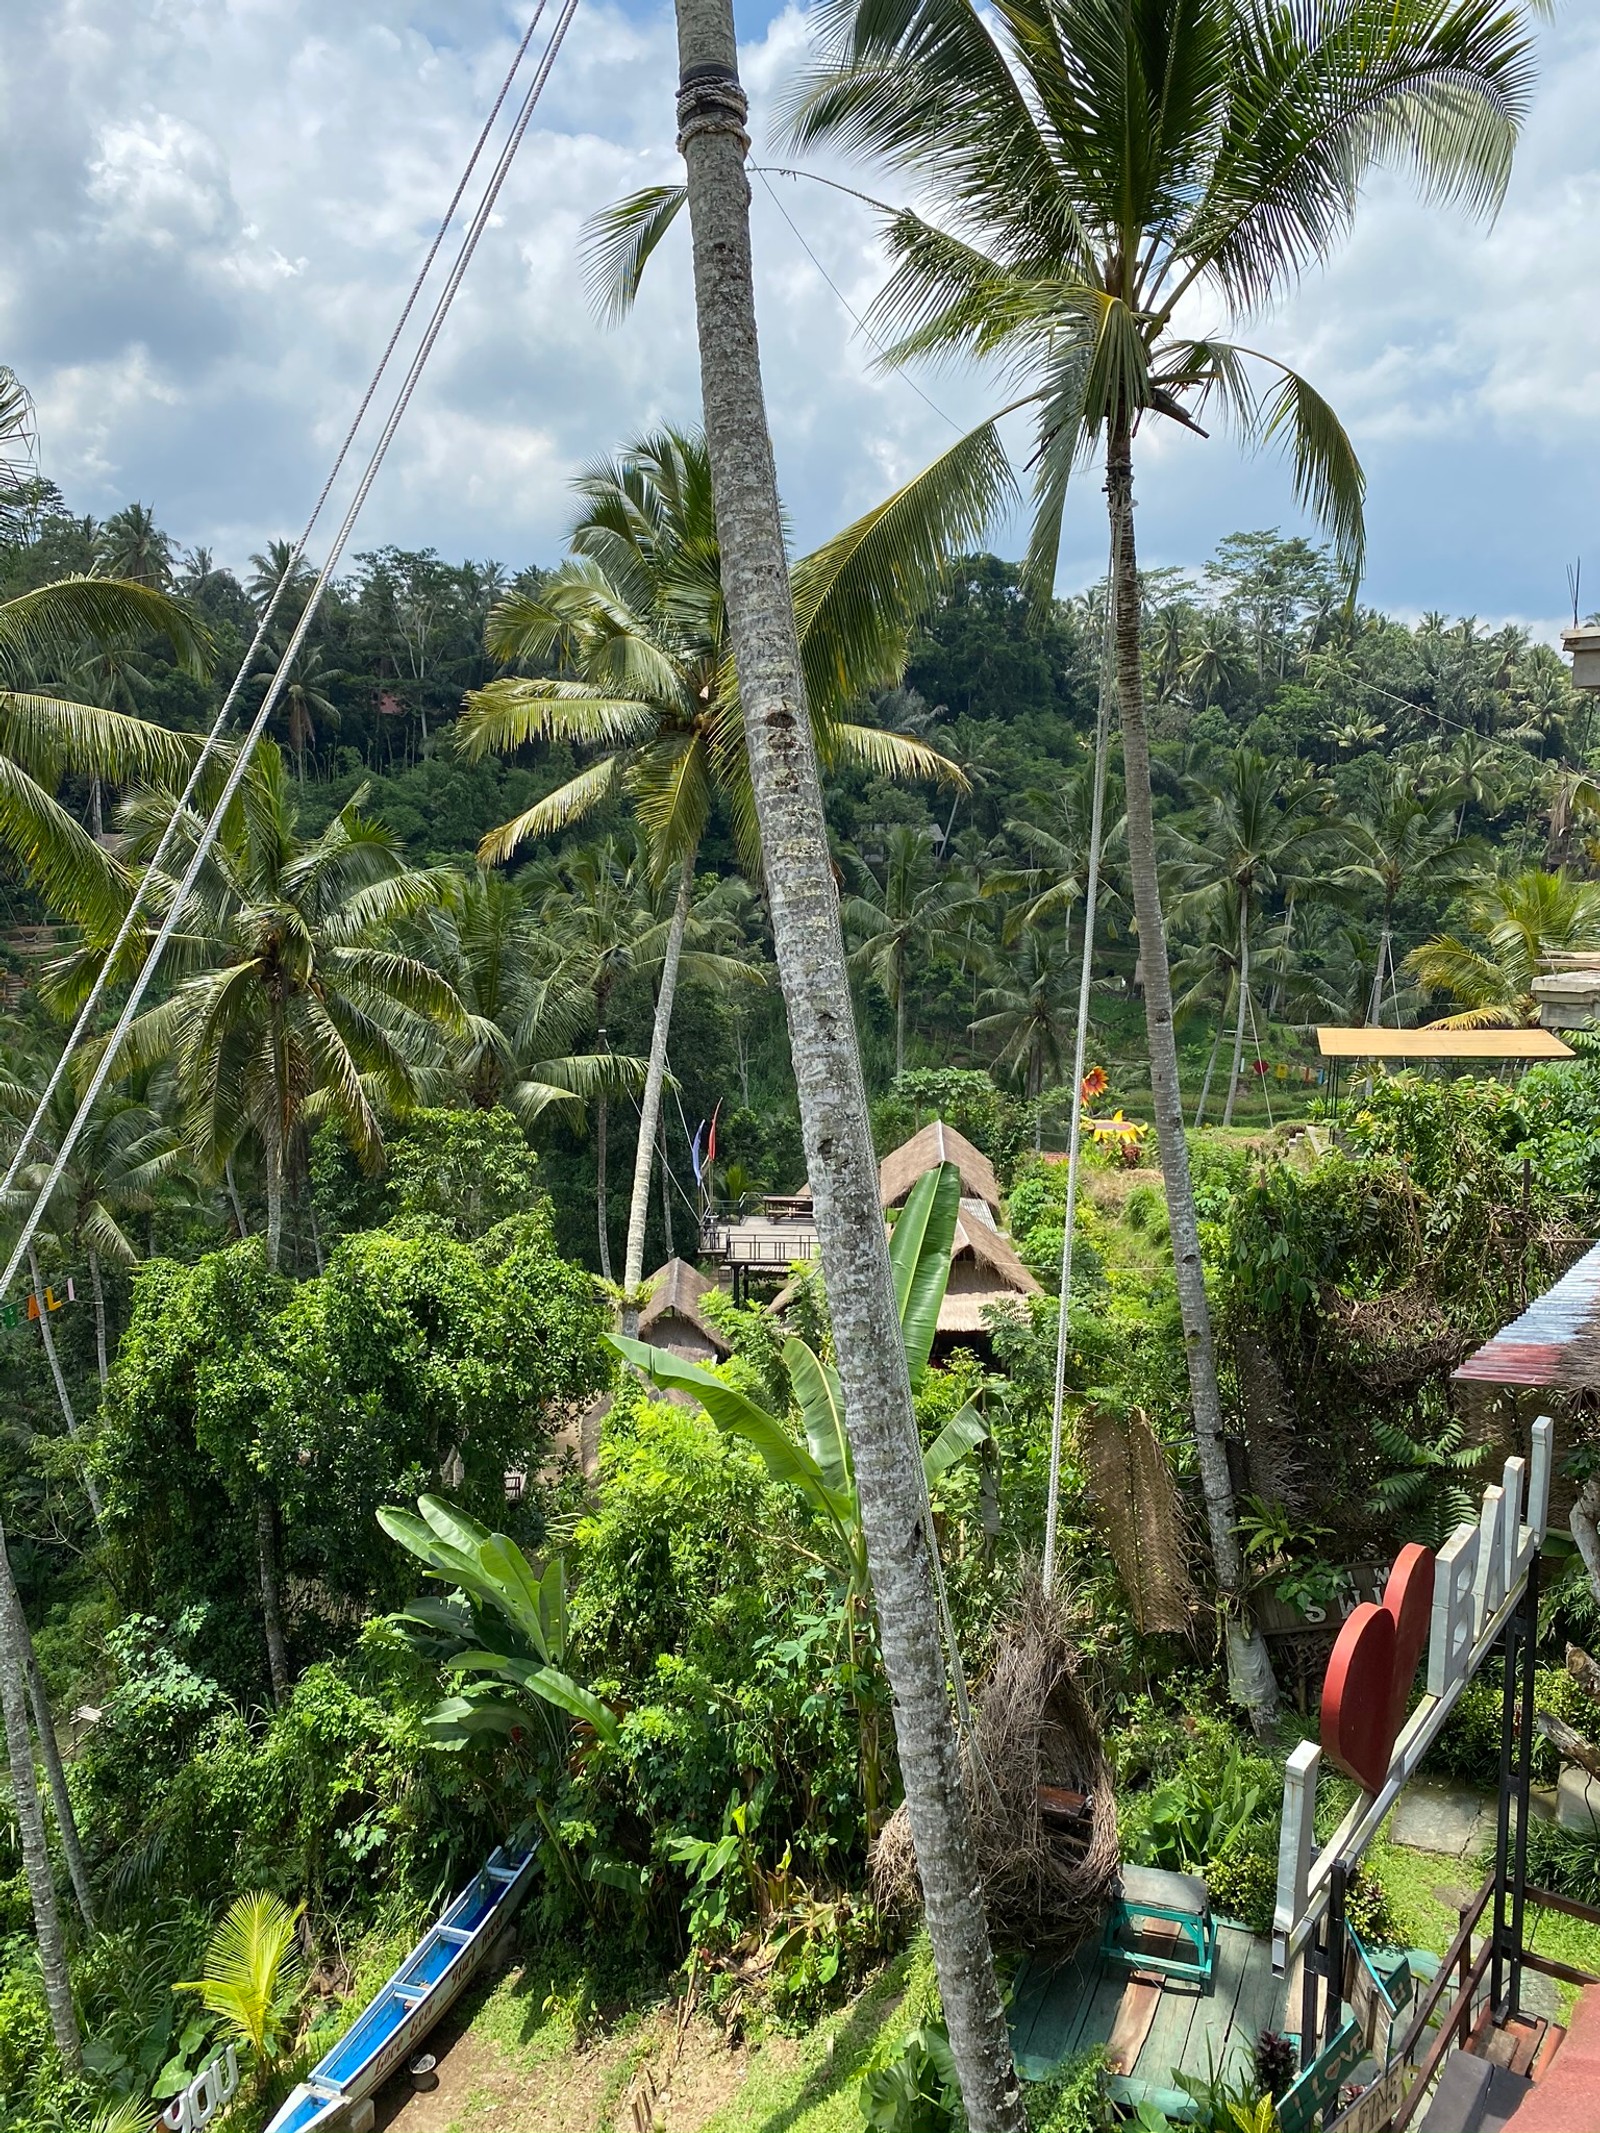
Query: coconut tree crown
(1100, 175)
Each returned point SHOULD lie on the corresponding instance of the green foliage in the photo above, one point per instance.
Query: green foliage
(252, 1974)
(526, 1648)
(1072, 2099)
(917, 2091)
(1468, 1747)
(463, 1170)
(1199, 1814)
(330, 1397)
(993, 1121)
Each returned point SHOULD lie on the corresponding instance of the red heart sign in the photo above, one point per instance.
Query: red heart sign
(1373, 1665)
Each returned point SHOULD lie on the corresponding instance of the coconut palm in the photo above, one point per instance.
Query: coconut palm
(636, 620)
(118, 1163)
(786, 792)
(303, 701)
(1253, 842)
(252, 1975)
(1404, 842)
(900, 918)
(1093, 170)
(524, 1004)
(291, 1004)
(132, 546)
(43, 736)
(1514, 925)
(1030, 1013)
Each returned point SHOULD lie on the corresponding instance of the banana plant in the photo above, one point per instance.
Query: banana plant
(503, 1625)
(815, 1460)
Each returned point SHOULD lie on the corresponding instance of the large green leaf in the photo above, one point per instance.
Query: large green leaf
(963, 1433)
(919, 1253)
(548, 1683)
(783, 1458)
(817, 1389)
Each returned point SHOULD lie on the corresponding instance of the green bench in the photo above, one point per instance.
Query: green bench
(1146, 1896)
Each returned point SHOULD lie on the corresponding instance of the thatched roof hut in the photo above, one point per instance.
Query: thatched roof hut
(984, 1271)
(935, 1144)
(673, 1319)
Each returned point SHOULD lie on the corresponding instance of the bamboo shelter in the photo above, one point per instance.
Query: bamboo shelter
(1044, 1809)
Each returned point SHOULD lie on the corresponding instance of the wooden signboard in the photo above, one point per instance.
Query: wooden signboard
(1319, 2085)
(1363, 1581)
(1375, 2107)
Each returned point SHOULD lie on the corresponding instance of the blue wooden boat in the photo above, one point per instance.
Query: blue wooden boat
(338, 2091)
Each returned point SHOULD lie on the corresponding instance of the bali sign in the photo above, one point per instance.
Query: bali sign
(1453, 1606)
(16, 1314)
(211, 2089)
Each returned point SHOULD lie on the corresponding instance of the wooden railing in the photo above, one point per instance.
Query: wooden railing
(1460, 1964)
(1468, 1972)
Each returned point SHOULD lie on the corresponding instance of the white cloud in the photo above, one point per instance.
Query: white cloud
(214, 206)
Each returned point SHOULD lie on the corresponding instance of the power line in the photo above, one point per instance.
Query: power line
(467, 248)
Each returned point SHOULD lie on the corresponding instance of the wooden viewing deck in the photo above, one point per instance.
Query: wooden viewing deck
(1061, 2009)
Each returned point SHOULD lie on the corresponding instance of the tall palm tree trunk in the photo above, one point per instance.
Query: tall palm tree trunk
(601, 1214)
(97, 1290)
(1244, 1009)
(1249, 1668)
(30, 1828)
(650, 1106)
(900, 1025)
(56, 1372)
(833, 1108)
(50, 1754)
(271, 1599)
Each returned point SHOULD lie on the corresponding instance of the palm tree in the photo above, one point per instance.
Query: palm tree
(304, 700)
(269, 568)
(636, 616)
(1092, 167)
(1517, 923)
(132, 546)
(122, 1157)
(1404, 842)
(1252, 843)
(1030, 1014)
(525, 1006)
(252, 1976)
(777, 724)
(292, 1005)
(43, 736)
(901, 919)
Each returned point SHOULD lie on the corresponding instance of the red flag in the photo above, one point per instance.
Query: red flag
(711, 1137)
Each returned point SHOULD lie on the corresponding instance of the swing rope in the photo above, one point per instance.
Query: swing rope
(1102, 751)
(210, 829)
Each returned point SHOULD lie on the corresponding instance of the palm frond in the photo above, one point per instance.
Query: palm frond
(51, 625)
(615, 246)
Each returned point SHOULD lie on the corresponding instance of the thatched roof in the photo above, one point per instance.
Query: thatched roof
(990, 1253)
(675, 1292)
(936, 1144)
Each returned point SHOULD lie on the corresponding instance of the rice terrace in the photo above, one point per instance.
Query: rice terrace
(800, 1075)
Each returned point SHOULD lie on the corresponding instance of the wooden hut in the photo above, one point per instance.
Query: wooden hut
(673, 1319)
(925, 1151)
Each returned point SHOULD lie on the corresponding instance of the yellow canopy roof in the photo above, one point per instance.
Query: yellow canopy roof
(1440, 1044)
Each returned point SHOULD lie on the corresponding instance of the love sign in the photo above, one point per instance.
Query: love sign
(1372, 1668)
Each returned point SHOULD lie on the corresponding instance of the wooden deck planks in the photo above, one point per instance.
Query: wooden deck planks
(1062, 2009)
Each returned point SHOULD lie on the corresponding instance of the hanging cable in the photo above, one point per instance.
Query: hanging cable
(213, 739)
(468, 246)
(1102, 753)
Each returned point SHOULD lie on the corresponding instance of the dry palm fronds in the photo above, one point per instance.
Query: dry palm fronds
(1047, 1862)
(1136, 1500)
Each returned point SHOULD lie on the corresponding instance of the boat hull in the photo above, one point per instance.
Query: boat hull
(427, 1984)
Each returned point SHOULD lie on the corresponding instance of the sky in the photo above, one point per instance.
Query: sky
(210, 211)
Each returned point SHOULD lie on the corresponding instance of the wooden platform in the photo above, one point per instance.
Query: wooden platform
(1059, 2010)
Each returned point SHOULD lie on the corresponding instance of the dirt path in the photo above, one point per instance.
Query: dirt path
(491, 2083)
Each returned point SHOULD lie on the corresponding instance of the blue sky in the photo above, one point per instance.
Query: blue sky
(212, 207)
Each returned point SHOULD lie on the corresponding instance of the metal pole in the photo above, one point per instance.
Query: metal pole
(1519, 1869)
(1499, 1929)
(1102, 752)
(1333, 2005)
